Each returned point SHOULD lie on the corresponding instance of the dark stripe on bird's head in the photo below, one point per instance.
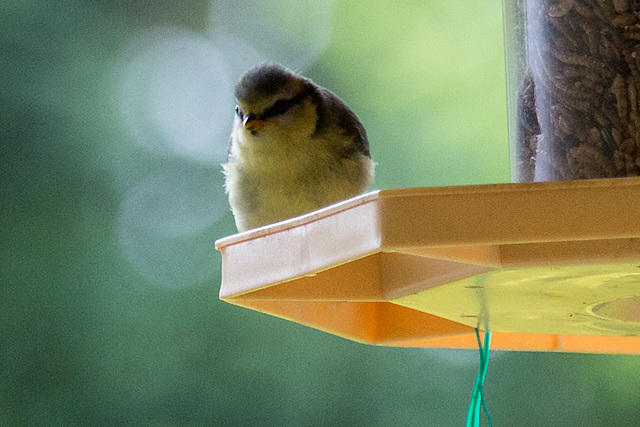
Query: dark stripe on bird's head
(279, 107)
(283, 105)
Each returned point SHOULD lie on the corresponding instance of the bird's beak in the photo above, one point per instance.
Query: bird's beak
(247, 119)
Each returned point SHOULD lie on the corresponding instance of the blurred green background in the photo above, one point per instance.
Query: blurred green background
(115, 118)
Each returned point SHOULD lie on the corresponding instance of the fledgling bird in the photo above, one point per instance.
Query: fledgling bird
(295, 147)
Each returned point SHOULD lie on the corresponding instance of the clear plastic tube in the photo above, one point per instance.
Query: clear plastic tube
(573, 83)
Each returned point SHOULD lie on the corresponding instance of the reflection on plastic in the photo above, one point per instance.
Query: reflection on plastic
(552, 300)
(621, 309)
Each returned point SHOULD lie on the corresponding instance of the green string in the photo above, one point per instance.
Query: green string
(477, 397)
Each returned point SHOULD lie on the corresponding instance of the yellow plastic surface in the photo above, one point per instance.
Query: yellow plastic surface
(551, 266)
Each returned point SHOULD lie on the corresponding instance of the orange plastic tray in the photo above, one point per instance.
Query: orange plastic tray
(552, 266)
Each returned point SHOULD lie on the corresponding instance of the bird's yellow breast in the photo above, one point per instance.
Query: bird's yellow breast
(290, 181)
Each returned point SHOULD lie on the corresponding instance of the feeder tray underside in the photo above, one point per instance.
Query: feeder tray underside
(551, 266)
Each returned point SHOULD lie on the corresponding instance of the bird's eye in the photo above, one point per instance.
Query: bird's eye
(238, 111)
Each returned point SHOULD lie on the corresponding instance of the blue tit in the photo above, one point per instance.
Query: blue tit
(295, 147)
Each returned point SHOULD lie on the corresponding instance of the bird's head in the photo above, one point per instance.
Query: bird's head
(274, 103)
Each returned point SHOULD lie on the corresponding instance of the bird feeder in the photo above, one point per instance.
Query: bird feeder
(573, 80)
(549, 266)
(550, 262)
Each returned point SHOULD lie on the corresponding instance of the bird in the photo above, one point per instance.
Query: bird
(295, 147)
